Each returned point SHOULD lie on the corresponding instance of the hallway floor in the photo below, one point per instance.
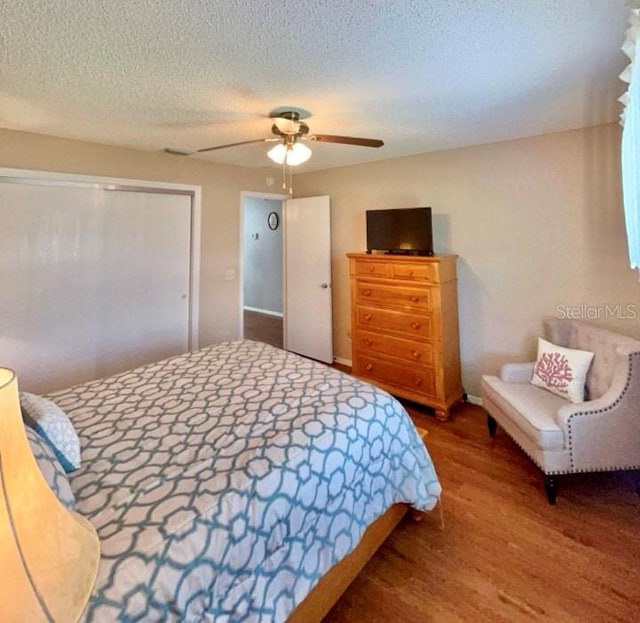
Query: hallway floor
(263, 328)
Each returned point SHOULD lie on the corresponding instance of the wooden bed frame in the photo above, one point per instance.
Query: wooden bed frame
(334, 583)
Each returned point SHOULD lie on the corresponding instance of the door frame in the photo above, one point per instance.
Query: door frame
(282, 197)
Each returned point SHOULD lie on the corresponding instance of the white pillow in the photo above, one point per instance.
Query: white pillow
(51, 468)
(52, 423)
(562, 371)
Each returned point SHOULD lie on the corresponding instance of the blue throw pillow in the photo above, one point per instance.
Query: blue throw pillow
(51, 469)
(52, 423)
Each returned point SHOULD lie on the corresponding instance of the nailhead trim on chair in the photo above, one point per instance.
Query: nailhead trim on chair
(609, 408)
(560, 472)
(590, 471)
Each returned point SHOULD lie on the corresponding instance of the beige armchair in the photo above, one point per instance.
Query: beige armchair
(600, 434)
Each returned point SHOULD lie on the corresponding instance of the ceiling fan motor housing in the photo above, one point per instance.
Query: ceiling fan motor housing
(295, 129)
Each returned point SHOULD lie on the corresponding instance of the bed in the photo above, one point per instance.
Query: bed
(226, 484)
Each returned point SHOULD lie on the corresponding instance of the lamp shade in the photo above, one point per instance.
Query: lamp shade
(48, 555)
(293, 154)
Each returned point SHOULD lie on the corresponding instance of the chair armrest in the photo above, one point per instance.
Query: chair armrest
(605, 433)
(517, 372)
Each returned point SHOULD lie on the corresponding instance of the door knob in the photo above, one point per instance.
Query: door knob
(324, 286)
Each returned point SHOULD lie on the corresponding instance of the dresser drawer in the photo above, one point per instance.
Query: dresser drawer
(387, 320)
(373, 268)
(420, 380)
(394, 295)
(371, 343)
(417, 271)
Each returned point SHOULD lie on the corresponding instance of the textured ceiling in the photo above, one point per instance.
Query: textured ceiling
(422, 75)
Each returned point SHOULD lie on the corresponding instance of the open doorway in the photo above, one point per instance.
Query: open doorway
(262, 273)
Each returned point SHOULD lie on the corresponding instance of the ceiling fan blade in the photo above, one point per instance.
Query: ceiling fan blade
(257, 140)
(177, 152)
(346, 140)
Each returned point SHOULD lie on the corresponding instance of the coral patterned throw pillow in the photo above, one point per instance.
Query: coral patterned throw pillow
(562, 371)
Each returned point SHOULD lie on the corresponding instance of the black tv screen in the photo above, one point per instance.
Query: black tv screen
(401, 231)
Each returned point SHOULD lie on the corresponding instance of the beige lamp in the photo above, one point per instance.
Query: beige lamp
(48, 554)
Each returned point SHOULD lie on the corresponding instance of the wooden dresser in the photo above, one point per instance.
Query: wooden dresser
(404, 326)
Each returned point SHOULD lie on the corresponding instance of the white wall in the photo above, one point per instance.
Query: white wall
(537, 224)
(262, 255)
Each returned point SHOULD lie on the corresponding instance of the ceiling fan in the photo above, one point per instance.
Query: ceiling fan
(290, 133)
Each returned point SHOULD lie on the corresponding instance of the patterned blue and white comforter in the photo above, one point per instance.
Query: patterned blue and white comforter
(225, 482)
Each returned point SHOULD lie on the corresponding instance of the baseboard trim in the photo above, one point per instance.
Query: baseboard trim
(343, 362)
(474, 400)
(266, 312)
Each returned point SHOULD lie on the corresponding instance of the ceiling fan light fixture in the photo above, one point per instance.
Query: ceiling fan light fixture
(293, 154)
(297, 154)
(278, 153)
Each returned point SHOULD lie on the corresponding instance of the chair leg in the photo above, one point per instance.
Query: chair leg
(550, 488)
(492, 424)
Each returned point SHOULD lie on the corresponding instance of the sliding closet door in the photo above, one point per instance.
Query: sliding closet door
(94, 281)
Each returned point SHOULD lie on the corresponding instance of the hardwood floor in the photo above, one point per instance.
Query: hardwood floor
(263, 328)
(504, 554)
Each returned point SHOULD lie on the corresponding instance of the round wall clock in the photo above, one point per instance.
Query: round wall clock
(273, 220)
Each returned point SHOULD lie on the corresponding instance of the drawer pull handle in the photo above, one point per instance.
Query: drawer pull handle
(368, 316)
(368, 367)
(368, 342)
(410, 273)
(366, 292)
(415, 299)
(372, 269)
(417, 382)
(415, 325)
(416, 354)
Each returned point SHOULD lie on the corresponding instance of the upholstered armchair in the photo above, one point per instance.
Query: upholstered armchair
(600, 434)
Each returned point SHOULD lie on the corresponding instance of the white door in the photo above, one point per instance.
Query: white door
(307, 291)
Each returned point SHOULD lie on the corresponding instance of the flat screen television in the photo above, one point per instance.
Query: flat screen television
(403, 231)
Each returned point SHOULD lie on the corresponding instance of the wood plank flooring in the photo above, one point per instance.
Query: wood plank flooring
(504, 554)
(263, 328)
